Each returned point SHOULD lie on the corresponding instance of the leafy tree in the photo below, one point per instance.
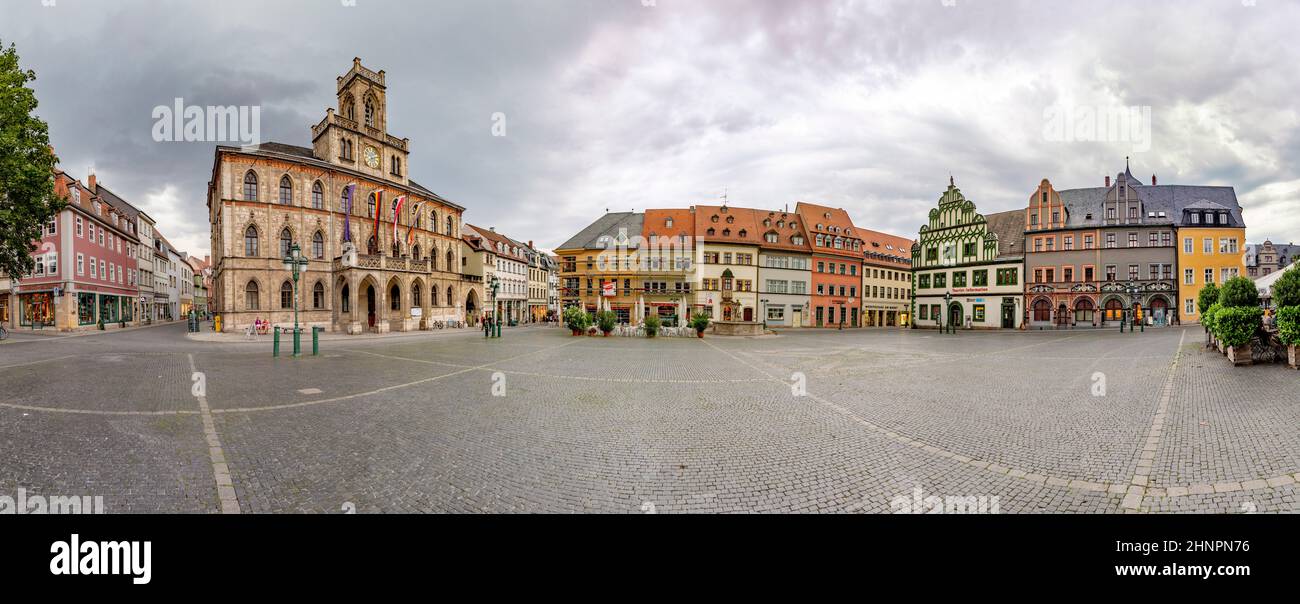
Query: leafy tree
(606, 320)
(1235, 326)
(1288, 325)
(1239, 292)
(1286, 290)
(1208, 297)
(27, 199)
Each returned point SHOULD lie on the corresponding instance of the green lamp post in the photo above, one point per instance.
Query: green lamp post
(295, 262)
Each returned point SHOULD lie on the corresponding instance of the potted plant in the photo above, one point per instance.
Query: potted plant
(1208, 297)
(577, 320)
(652, 324)
(1286, 297)
(699, 322)
(1207, 321)
(1236, 327)
(1288, 330)
(606, 320)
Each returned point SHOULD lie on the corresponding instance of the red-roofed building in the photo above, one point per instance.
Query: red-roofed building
(837, 255)
(886, 279)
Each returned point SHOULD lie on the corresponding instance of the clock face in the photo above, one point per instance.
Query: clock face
(372, 157)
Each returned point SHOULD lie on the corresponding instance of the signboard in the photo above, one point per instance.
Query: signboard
(417, 312)
(608, 288)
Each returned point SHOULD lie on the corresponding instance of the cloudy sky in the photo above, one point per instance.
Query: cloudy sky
(629, 104)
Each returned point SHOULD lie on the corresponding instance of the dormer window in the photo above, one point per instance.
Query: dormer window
(714, 219)
(669, 223)
(731, 219)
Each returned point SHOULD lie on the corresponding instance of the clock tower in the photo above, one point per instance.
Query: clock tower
(355, 134)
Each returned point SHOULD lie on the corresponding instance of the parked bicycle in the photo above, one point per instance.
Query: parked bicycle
(4, 333)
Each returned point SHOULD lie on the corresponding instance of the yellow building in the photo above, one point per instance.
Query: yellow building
(1212, 239)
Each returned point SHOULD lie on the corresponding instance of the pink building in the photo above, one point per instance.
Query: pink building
(85, 266)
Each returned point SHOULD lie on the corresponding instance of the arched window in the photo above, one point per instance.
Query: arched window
(343, 201)
(449, 302)
(395, 298)
(286, 295)
(250, 295)
(250, 186)
(370, 112)
(397, 250)
(317, 196)
(349, 107)
(415, 296)
(370, 206)
(433, 294)
(448, 231)
(250, 241)
(451, 262)
(286, 241)
(318, 245)
(345, 303)
(433, 220)
(1042, 310)
(415, 251)
(318, 296)
(372, 247)
(433, 259)
(286, 191)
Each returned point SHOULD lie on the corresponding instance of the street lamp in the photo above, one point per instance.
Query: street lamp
(947, 301)
(1133, 290)
(763, 310)
(295, 262)
(496, 310)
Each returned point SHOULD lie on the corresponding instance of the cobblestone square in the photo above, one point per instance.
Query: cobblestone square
(539, 421)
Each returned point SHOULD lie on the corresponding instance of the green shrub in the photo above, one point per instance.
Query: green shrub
(1237, 325)
(1288, 325)
(606, 320)
(1208, 297)
(1239, 292)
(1207, 317)
(652, 325)
(1286, 290)
(576, 318)
(700, 322)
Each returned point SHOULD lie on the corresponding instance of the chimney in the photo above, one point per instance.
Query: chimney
(207, 259)
(493, 229)
(90, 182)
(1153, 180)
(1107, 181)
(530, 244)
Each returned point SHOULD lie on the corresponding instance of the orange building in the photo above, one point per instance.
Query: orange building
(837, 249)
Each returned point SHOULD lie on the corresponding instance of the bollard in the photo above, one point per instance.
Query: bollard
(275, 342)
(315, 341)
(297, 342)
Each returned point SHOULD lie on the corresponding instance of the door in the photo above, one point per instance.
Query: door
(954, 315)
(370, 306)
(749, 314)
(1008, 316)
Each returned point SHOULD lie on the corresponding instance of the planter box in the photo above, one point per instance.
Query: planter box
(1239, 355)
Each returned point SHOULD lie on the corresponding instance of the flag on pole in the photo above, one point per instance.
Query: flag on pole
(347, 210)
(379, 211)
(397, 213)
(410, 229)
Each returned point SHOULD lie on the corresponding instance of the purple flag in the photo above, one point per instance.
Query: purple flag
(347, 211)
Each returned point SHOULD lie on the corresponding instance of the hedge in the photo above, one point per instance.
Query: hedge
(1286, 290)
(1236, 326)
(1207, 317)
(1239, 292)
(1288, 325)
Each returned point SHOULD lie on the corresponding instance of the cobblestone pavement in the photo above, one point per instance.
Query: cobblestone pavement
(539, 421)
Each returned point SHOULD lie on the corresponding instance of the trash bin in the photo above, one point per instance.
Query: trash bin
(315, 339)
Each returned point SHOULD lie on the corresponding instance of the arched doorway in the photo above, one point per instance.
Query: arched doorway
(1160, 310)
(1062, 314)
(955, 315)
(471, 306)
(371, 306)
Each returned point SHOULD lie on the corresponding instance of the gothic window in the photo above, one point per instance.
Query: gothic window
(286, 240)
(250, 241)
(250, 296)
(318, 296)
(343, 201)
(286, 295)
(433, 295)
(349, 107)
(317, 196)
(286, 191)
(318, 245)
(250, 186)
(451, 260)
(415, 296)
(449, 302)
(433, 220)
(372, 247)
(448, 231)
(370, 112)
(415, 251)
(395, 298)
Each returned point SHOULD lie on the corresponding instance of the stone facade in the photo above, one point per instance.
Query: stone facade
(374, 277)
